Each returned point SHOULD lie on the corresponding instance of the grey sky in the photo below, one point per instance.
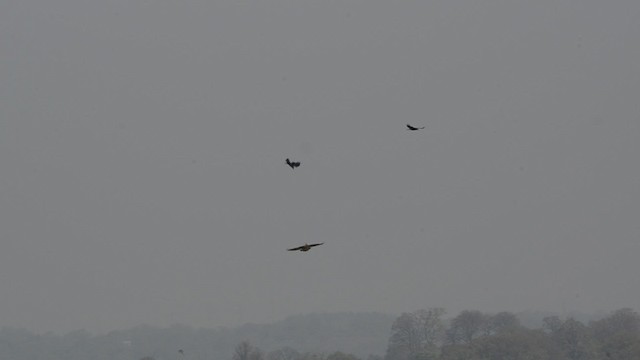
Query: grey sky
(142, 147)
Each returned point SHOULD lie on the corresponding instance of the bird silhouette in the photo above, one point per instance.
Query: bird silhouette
(413, 128)
(305, 247)
(292, 164)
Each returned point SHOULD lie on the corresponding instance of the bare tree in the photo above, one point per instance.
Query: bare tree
(620, 321)
(245, 351)
(466, 326)
(500, 323)
(617, 335)
(405, 338)
(518, 343)
(431, 326)
(416, 335)
(551, 323)
(573, 337)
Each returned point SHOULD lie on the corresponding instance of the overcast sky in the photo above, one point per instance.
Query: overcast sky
(142, 148)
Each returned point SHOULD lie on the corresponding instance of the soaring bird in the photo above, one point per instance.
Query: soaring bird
(305, 247)
(413, 128)
(292, 164)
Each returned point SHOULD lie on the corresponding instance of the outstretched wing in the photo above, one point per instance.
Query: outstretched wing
(296, 248)
(318, 244)
(411, 127)
(292, 164)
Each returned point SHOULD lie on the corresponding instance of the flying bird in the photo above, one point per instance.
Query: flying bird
(292, 164)
(305, 247)
(413, 128)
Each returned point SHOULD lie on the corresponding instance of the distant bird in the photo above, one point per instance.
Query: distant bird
(292, 164)
(181, 352)
(305, 247)
(413, 128)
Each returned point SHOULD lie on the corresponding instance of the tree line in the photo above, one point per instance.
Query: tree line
(474, 335)
(426, 334)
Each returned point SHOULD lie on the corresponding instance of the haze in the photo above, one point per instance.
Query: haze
(143, 147)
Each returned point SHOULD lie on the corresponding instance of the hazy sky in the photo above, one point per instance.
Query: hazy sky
(142, 147)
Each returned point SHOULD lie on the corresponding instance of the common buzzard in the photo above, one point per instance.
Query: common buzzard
(305, 247)
(413, 128)
(292, 164)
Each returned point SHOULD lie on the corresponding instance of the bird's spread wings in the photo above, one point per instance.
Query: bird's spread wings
(293, 164)
(304, 247)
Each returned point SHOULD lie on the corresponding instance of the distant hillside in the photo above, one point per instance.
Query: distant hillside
(361, 334)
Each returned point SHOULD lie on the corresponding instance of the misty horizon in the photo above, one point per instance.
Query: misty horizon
(352, 336)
